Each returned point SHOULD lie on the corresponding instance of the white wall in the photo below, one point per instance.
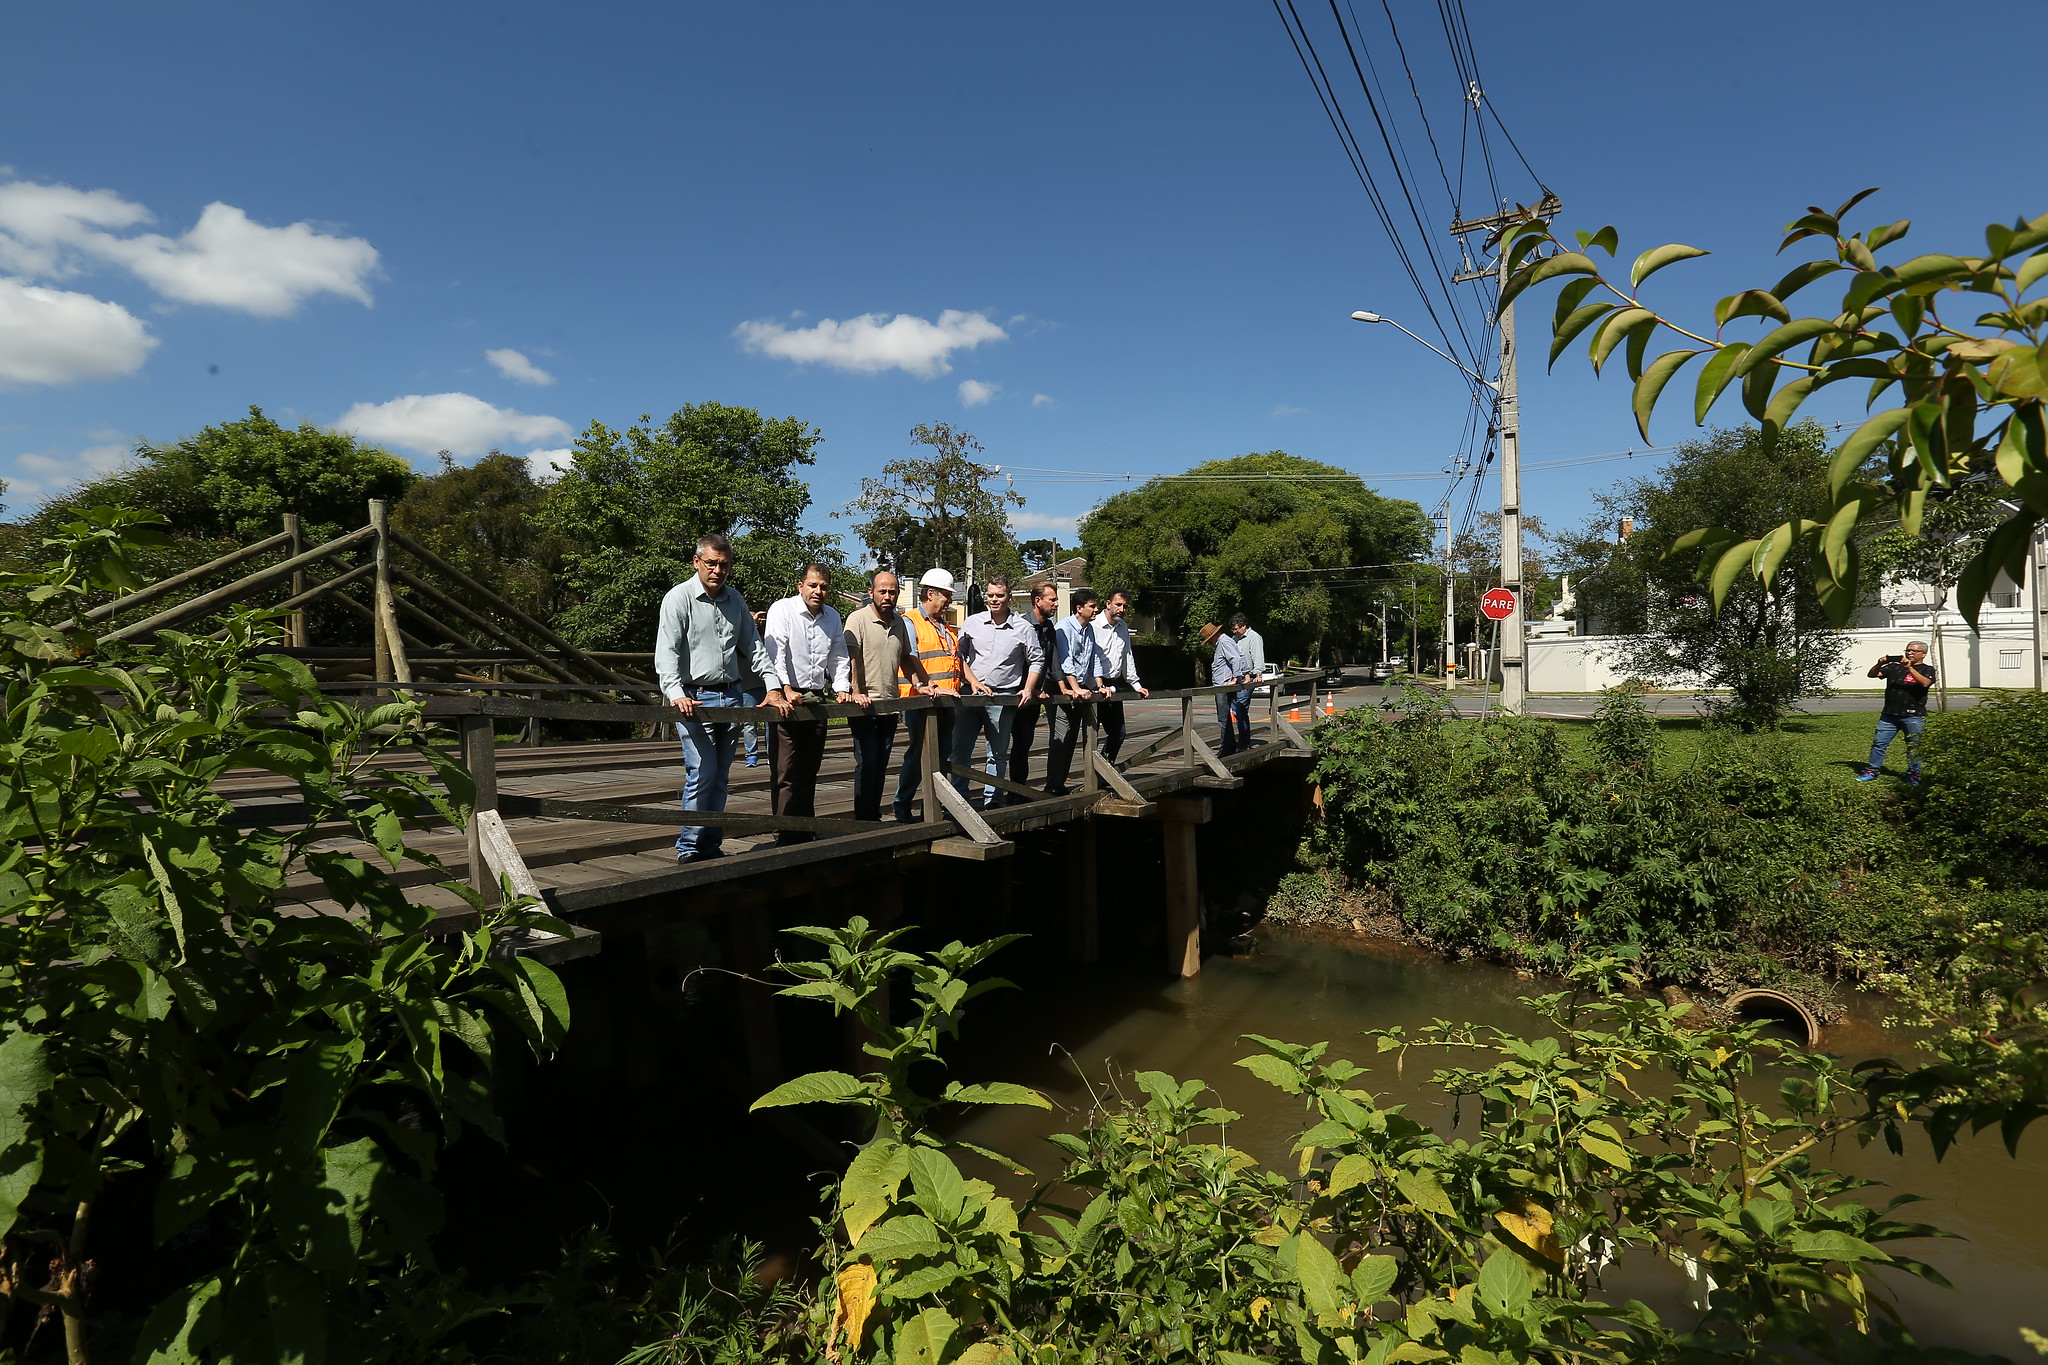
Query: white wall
(1998, 657)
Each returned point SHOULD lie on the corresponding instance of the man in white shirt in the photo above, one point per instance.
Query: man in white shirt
(807, 645)
(1119, 668)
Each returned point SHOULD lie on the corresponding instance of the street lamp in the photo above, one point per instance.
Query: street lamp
(1450, 579)
(1363, 316)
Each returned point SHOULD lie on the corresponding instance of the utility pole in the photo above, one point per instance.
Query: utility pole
(1450, 648)
(1383, 632)
(1514, 630)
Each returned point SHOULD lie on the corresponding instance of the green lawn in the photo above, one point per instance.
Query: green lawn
(1836, 743)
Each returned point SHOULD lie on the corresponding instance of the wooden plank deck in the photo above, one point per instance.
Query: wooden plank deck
(585, 865)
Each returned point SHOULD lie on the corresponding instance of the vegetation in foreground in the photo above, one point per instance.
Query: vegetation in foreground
(1623, 1133)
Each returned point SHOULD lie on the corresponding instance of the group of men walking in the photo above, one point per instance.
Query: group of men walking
(710, 652)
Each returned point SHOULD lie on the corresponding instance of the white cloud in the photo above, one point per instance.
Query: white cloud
(454, 422)
(975, 394)
(1041, 400)
(1061, 527)
(874, 342)
(38, 223)
(53, 336)
(1284, 411)
(515, 366)
(226, 259)
(549, 464)
(38, 477)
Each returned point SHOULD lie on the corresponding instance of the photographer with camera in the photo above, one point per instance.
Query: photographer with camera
(1906, 680)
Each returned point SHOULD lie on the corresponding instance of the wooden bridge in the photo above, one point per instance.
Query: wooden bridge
(589, 828)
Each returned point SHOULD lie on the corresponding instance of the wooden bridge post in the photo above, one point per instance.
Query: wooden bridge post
(934, 764)
(1187, 732)
(480, 756)
(295, 624)
(1179, 816)
(387, 643)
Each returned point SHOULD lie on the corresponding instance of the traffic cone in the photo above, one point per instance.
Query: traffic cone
(1329, 706)
(1294, 710)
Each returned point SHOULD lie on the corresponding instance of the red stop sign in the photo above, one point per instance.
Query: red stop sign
(1498, 604)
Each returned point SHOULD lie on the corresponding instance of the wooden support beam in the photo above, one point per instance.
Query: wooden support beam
(1293, 737)
(295, 624)
(999, 783)
(164, 587)
(480, 757)
(512, 613)
(241, 587)
(1116, 780)
(486, 625)
(388, 651)
(1168, 740)
(1206, 757)
(735, 822)
(1083, 914)
(961, 809)
(1183, 901)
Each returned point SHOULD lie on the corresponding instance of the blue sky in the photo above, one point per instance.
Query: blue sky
(1102, 237)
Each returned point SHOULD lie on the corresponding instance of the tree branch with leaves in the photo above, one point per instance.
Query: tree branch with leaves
(1969, 397)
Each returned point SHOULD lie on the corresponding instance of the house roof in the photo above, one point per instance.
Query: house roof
(1072, 571)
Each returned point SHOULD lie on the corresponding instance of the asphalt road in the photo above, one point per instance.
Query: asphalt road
(1469, 702)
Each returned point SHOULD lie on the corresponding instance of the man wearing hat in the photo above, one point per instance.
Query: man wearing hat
(1228, 665)
(938, 650)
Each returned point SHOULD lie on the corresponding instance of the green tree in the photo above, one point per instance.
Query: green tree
(1263, 534)
(484, 519)
(1770, 642)
(928, 510)
(235, 481)
(1972, 403)
(631, 507)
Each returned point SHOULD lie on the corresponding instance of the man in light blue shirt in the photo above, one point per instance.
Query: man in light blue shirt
(1228, 665)
(704, 646)
(1081, 666)
(999, 655)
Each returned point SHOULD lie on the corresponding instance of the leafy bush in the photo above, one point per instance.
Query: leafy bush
(277, 1086)
(1387, 1240)
(1985, 806)
(1489, 838)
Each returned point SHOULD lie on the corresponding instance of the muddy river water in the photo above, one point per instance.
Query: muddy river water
(1304, 988)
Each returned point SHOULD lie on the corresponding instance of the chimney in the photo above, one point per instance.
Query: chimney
(1627, 528)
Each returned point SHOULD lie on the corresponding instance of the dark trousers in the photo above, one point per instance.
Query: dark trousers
(1111, 716)
(1063, 733)
(795, 750)
(1022, 731)
(913, 757)
(873, 737)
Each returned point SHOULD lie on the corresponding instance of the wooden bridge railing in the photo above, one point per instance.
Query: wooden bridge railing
(1104, 787)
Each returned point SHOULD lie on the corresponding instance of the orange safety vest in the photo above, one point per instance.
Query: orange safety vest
(938, 649)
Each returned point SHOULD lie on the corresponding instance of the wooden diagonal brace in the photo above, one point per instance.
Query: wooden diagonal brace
(1116, 780)
(1295, 739)
(962, 811)
(1199, 748)
(1000, 783)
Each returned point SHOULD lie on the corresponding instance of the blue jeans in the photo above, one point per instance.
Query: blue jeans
(972, 723)
(1234, 714)
(750, 735)
(1888, 728)
(912, 774)
(707, 762)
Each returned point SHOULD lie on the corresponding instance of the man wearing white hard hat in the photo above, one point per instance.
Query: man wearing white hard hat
(938, 650)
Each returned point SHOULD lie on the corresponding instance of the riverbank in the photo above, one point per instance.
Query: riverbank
(1083, 1034)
